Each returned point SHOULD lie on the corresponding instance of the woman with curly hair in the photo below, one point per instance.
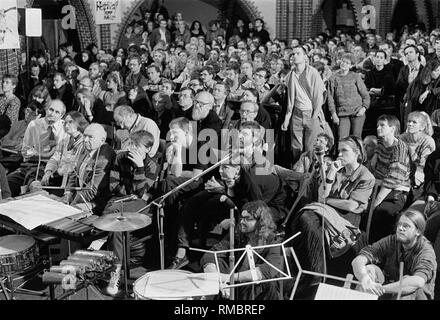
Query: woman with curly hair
(255, 228)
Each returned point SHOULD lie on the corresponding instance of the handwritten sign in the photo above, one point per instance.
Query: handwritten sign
(108, 11)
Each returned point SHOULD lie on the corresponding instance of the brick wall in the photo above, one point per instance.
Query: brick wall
(386, 14)
(85, 23)
(105, 35)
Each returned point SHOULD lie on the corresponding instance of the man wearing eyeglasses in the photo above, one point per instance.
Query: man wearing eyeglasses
(204, 114)
(254, 218)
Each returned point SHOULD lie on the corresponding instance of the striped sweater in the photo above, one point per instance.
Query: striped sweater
(392, 165)
(126, 179)
(419, 150)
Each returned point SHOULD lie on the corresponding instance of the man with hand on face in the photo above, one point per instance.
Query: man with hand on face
(134, 173)
(39, 144)
(92, 171)
(131, 122)
(407, 246)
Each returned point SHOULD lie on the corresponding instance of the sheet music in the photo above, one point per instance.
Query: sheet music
(34, 211)
(328, 292)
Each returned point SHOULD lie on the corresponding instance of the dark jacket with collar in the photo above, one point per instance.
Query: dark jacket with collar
(96, 176)
(402, 81)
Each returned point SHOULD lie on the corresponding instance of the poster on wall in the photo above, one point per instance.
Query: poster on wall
(108, 11)
(9, 38)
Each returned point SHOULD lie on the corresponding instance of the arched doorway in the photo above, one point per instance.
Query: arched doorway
(405, 13)
(191, 10)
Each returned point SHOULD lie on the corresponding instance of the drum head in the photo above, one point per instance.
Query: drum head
(174, 285)
(15, 243)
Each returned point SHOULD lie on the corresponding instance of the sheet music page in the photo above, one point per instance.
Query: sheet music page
(328, 292)
(34, 211)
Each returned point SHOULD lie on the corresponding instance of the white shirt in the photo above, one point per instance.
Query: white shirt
(162, 35)
(302, 100)
(37, 131)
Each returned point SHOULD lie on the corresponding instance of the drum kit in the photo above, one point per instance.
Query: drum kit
(19, 253)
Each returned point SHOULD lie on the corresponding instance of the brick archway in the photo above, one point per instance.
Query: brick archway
(85, 21)
(248, 6)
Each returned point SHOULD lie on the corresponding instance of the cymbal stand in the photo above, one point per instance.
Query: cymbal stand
(160, 217)
(159, 203)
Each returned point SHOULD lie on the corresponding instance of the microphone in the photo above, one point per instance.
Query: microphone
(67, 188)
(228, 202)
(319, 152)
(125, 199)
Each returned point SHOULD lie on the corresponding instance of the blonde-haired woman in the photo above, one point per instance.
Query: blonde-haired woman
(418, 137)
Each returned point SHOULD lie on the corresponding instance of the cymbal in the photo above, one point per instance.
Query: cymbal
(127, 221)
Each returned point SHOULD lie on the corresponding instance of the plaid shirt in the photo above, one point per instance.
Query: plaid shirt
(9, 61)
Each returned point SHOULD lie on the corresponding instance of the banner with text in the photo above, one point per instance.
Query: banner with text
(108, 11)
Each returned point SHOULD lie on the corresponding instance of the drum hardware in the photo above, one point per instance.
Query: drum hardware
(19, 260)
(160, 203)
(123, 222)
(80, 270)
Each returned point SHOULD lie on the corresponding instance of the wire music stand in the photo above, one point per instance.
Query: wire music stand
(248, 252)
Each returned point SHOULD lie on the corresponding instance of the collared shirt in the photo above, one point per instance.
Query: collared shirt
(162, 35)
(141, 123)
(37, 134)
(357, 186)
(413, 72)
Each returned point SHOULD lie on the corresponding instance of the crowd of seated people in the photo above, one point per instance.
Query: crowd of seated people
(290, 115)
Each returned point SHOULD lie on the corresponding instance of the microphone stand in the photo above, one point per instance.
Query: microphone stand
(159, 203)
(232, 247)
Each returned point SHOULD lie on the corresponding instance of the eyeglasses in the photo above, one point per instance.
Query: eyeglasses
(247, 218)
(201, 103)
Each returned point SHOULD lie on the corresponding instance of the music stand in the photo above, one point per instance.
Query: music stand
(249, 251)
(159, 203)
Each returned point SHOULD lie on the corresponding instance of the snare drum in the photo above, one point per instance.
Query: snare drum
(175, 285)
(18, 253)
